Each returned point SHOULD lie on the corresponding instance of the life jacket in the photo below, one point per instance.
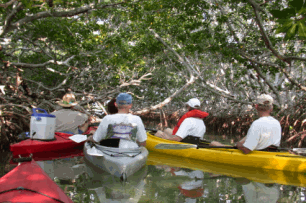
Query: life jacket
(190, 114)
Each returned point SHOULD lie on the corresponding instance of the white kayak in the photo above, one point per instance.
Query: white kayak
(119, 162)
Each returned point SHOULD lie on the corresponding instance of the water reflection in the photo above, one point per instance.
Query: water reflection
(173, 179)
(193, 188)
(108, 188)
(259, 192)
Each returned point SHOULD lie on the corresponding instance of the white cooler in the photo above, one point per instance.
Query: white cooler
(42, 125)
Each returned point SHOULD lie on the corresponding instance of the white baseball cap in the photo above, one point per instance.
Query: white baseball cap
(194, 103)
(265, 99)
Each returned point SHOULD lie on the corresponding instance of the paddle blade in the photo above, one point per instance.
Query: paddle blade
(299, 150)
(174, 146)
(78, 138)
(94, 152)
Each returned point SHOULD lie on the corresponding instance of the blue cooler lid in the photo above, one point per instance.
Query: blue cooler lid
(45, 114)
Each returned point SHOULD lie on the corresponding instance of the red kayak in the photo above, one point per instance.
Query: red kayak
(61, 154)
(30, 146)
(61, 142)
(29, 183)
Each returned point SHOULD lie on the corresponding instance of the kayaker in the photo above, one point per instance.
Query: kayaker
(264, 132)
(67, 119)
(111, 107)
(123, 125)
(190, 127)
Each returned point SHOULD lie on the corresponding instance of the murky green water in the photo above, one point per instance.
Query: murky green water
(173, 179)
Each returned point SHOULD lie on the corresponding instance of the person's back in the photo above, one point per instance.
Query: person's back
(190, 127)
(68, 120)
(193, 127)
(264, 132)
(122, 125)
(269, 130)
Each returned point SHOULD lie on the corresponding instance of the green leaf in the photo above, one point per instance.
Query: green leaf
(284, 27)
(302, 29)
(302, 11)
(291, 32)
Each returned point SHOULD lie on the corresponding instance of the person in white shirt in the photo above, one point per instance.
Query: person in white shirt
(123, 125)
(191, 124)
(264, 132)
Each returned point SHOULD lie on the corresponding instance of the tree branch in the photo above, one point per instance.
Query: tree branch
(167, 100)
(41, 65)
(68, 13)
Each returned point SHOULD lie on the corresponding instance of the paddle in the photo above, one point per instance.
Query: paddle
(152, 130)
(188, 146)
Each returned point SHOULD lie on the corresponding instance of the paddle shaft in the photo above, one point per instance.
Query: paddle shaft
(152, 130)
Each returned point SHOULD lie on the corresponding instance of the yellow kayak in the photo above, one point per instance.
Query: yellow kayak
(254, 174)
(257, 159)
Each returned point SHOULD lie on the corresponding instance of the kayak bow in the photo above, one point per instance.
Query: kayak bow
(29, 183)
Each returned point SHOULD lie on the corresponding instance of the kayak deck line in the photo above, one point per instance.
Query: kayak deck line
(28, 182)
(22, 189)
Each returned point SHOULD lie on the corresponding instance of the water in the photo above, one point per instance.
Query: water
(173, 179)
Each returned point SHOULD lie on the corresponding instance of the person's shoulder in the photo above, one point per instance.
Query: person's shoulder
(192, 119)
(266, 120)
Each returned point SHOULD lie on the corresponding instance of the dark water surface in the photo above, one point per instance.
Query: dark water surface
(172, 179)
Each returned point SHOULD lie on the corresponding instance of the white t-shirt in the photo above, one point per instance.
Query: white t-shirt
(125, 119)
(191, 126)
(263, 132)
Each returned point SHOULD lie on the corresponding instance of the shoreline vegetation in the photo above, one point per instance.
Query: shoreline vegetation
(15, 120)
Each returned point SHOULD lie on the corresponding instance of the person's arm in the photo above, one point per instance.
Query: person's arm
(100, 133)
(90, 139)
(142, 144)
(250, 141)
(242, 140)
(176, 138)
(240, 146)
(141, 132)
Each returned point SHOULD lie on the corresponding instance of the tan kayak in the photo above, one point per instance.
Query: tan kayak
(257, 159)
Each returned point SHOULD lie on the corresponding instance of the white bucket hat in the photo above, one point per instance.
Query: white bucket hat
(194, 103)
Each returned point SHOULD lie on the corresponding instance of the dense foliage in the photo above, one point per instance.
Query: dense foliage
(163, 52)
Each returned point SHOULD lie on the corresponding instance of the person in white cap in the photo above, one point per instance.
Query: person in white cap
(128, 128)
(67, 119)
(189, 127)
(264, 132)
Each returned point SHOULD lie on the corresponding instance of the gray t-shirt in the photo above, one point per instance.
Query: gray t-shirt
(68, 120)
